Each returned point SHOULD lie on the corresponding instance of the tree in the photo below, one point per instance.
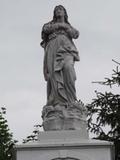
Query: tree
(105, 111)
(34, 136)
(6, 138)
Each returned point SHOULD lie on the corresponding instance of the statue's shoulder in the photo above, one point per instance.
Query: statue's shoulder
(46, 30)
(47, 24)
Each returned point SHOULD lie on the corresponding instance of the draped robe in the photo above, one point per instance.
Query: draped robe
(59, 59)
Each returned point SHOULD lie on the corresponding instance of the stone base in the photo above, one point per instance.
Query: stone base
(64, 145)
(65, 117)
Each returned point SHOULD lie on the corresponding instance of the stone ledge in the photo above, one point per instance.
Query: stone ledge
(57, 139)
(59, 144)
(66, 135)
(92, 144)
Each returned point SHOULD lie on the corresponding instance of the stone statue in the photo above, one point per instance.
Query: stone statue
(60, 55)
(59, 72)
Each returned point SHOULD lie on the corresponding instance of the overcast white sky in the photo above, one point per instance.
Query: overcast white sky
(22, 85)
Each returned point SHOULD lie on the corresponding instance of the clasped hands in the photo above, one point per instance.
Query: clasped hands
(61, 25)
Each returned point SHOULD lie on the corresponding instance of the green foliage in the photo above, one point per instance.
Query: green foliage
(6, 142)
(114, 80)
(34, 136)
(104, 111)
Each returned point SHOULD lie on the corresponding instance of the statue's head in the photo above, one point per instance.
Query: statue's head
(60, 11)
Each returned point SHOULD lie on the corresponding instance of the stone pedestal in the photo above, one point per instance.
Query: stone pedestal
(65, 145)
(65, 117)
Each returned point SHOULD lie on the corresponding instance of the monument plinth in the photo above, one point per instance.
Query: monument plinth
(65, 118)
(65, 145)
(65, 135)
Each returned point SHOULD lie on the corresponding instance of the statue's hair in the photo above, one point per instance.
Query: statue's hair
(65, 16)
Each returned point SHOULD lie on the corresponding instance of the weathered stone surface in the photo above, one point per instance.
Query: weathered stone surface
(61, 111)
(62, 136)
(59, 59)
(64, 118)
(71, 117)
(67, 146)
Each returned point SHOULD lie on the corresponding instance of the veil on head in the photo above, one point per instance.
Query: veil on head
(65, 12)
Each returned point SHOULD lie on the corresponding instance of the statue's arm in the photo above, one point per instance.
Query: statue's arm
(45, 70)
(72, 32)
(48, 28)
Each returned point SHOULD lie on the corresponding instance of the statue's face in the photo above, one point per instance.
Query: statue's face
(59, 12)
